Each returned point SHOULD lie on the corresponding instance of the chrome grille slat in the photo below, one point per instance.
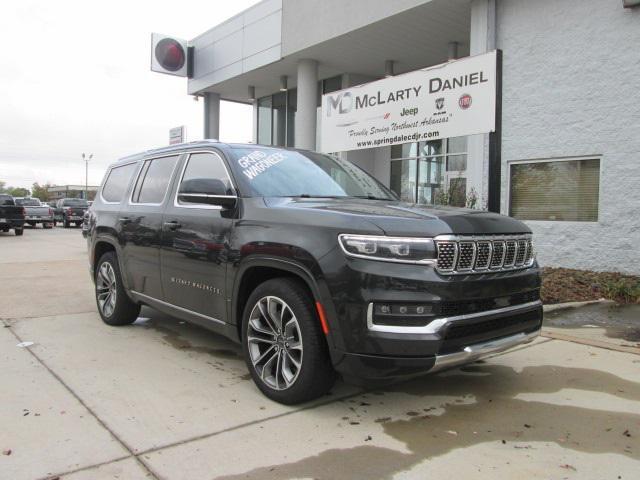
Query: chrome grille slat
(510, 253)
(521, 253)
(466, 256)
(447, 256)
(483, 254)
(498, 254)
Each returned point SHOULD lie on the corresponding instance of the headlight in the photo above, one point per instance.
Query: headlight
(389, 249)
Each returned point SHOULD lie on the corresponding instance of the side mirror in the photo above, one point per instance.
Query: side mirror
(210, 191)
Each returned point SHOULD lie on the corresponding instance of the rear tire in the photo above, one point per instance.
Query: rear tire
(284, 346)
(47, 225)
(114, 305)
(65, 223)
(18, 231)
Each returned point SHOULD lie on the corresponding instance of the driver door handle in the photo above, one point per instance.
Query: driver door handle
(124, 219)
(174, 225)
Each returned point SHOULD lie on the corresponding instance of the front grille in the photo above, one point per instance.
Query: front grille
(469, 307)
(458, 255)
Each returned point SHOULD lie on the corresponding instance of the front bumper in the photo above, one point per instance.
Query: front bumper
(472, 314)
(451, 353)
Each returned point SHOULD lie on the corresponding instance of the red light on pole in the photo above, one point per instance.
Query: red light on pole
(170, 54)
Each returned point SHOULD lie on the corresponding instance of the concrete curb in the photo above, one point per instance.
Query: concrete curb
(589, 342)
(561, 306)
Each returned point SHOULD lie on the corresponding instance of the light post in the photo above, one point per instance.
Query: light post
(86, 174)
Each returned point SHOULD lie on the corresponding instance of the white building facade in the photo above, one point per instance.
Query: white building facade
(568, 143)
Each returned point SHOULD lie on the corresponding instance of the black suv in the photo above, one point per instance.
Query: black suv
(309, 262)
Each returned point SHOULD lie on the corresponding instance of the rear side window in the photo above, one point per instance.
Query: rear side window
(116, 183)
(154, 179)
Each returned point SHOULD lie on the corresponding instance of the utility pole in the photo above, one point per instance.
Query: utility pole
(86, 174)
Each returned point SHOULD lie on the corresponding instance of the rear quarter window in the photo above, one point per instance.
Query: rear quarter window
(154, 179)
(117, 182)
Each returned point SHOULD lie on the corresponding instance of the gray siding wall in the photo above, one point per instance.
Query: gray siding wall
(249, 40)
(306, 23)
(571, 80)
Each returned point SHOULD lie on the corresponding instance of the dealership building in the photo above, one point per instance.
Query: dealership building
(562, 150)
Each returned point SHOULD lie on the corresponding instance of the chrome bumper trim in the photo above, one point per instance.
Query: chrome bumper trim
(439, 323)
(479, 350)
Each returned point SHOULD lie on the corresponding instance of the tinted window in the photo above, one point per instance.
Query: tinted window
(117, 182)
(563, 190)
(270, 172)
(206, 166)
(6, 200)
(154, 179)
(28, 202)
(74, 202)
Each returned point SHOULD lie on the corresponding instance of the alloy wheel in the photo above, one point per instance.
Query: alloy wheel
(106, 289)
(275, 342)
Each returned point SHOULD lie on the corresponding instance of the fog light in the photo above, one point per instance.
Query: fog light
(402, 314)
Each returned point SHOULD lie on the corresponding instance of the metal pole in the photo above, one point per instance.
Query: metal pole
(495, 145)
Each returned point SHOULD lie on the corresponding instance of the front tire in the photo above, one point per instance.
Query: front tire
(114, 305)
(18, 231)
(284, 346)
(66, 223)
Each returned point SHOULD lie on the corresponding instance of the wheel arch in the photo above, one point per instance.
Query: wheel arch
(255, 271)
(102, 245)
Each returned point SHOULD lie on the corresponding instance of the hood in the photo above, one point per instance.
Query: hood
(401, 218)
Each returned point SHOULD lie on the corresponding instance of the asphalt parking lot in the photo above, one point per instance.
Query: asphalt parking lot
(164, 399)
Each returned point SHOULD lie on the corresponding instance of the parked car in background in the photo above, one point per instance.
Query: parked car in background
(70, 210)
(36, 212)
(11, 215)
(310, 263)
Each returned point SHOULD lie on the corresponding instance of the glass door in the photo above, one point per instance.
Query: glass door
(403, 179)
(430, 172)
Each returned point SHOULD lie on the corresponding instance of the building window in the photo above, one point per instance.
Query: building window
(430, 172)
(276, 119)
(556, 190)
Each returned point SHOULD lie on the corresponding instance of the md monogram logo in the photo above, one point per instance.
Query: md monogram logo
(342, 102)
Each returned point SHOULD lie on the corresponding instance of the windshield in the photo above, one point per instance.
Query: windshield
(74, 202)
(27, 202)
(6, 200)
(285, 173)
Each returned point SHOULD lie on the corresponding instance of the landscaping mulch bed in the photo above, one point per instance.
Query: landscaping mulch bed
(568, 285)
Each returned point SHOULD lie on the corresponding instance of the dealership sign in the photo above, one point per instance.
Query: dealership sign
(449, 100)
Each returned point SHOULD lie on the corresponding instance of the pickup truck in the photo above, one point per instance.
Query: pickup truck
(11, 215)
(70, 210)
(36, 212)
(311, 264)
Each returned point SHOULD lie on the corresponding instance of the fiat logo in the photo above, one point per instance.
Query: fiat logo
(464, 101)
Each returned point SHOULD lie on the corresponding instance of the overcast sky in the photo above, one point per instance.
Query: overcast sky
(74, 78)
